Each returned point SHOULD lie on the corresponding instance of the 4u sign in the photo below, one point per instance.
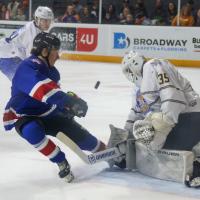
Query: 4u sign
(86, 39)
(76, 39)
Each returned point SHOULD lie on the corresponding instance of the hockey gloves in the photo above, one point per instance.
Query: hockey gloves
(77, 106)
(153, 130)
(143, 131)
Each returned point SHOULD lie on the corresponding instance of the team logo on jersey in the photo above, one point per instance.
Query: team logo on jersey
(141, 104)
(121, 41)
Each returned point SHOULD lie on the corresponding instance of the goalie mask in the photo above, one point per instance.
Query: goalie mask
(132, 65)
(43, 17)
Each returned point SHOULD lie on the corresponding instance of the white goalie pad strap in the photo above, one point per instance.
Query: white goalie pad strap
(164, 164)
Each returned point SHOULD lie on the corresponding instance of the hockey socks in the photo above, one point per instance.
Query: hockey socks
(35, 135)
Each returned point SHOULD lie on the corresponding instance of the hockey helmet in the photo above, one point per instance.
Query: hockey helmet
(45, 40)
(43, 12)
(132, 65)
(43, 18)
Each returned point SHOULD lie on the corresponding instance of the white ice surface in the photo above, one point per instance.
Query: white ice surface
(26, 175)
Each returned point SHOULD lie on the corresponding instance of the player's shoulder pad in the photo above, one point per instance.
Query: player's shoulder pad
(150, 66)
(36, 61)
(157, 64)
(31, 62)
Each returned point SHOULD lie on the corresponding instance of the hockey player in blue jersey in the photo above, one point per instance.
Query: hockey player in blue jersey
(17, 46)
(38, 107)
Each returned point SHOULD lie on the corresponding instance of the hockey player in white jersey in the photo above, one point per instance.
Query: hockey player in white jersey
(18, 45)
(165, 109)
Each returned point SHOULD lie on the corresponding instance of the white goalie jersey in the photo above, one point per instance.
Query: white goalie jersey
(20, 42)
(162, 89)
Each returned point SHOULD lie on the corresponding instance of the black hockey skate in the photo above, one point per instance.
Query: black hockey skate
(121, 164)
(65, 171)
(193, 180)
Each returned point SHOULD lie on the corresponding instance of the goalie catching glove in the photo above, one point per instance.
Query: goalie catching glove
(153, 130)
(143, 131)
(76, 106)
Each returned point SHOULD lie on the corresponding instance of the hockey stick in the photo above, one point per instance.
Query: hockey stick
(165, 164)
(91, 158)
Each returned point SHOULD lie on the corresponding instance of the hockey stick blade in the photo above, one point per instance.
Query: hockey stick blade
(93, 158)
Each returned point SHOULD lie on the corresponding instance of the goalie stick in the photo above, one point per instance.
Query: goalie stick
(89, 158)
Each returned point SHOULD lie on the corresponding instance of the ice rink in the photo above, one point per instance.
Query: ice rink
(26, 175)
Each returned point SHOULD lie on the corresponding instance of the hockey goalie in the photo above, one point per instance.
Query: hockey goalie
(161, 137)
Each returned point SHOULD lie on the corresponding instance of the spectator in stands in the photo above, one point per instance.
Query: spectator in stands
(158, 16)
(141, 19)
(110, 16)
(197, 18)
(20, 14)
(12, 7)
(185, 18)
(171, 12)
(140, 9)
(59, 8)
(25, 3)
(129, 19)
(94, 10)
(77, 6)
(85, 15)
(4, 14)
(122, 16)
(70, 15)
(126, 4)
(25, 6)
(190, 3)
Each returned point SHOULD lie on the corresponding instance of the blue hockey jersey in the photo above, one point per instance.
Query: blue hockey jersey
(35, 92)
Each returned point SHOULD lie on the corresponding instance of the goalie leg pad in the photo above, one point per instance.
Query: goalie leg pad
(125, 142)
(164, 164)
(117, 135)
(127, 159)
(130, 154)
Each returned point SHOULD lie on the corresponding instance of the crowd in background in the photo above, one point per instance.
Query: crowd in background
(135, 12)
(14, 10)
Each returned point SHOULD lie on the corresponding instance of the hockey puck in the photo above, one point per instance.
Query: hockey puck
(97, 85)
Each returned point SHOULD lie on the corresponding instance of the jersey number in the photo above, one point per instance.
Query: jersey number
(163, 78)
